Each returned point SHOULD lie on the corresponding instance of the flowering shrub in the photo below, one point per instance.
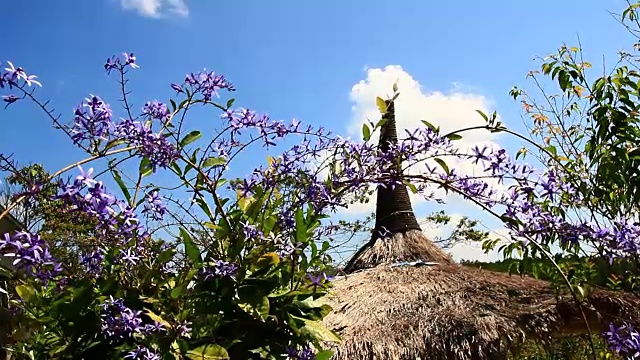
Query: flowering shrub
(245, 278)
(243, 295)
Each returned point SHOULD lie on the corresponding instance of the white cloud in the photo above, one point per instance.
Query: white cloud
(451, 111)
(157, 8)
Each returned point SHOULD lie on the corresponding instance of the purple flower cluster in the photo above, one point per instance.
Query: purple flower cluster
(143, 353)
(251, 232)
(219, 269)
(31, 254)
(154, 206)
(93, 123)
(92, 262)
(117, 222)
(156, 110)
(92, 120)
(304, 353)
(99, 203)
(119, 321)
(154, 146)
(624, 340)
(207, 84)
(115, 63)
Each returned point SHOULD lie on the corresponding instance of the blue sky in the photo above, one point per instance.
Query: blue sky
(287, 58)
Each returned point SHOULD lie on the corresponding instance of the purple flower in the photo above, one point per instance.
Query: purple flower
(154, 328)
(30, 253)
(130, 60)
(305, 353)
(183, 329)
(143, 353)
(252, 233)
(92, 120)
(156, 110)
(111, 63)
(177, 88)
(208, 84)
(92, 262)
(155, 147)
(318, 281)
(623, 340)
(128, 257)
(119, 321)
(154, 206)
(85, 177)
(14, 74)
(115, 219)
(220, 268)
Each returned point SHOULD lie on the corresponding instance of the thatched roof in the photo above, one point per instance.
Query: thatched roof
(455, 312)
(444, 310)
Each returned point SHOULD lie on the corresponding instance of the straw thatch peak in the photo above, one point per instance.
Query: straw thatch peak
(397, 236)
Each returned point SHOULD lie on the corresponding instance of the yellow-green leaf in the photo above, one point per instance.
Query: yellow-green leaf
(382, 105)
(366, 132)
(208, 352)
(26, 293)
(319, 331)
(267, 259)
(258, 307)
(157, 318)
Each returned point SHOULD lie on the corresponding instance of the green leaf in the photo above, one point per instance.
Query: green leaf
(112, 144)
(318, 331)
(382, 105)
(208, 352)
(123, 187)
(190, 137)
(301, 226)
(454, 137)
(484, 116)
(214, 161)
(395, 87)
(380, 123)
(165, 256)
(190, 248)
(26, 293)
(177, 291)
(430, 125)
(176, 168)
(366, 132)
(257, 306)
(552, 149)
(442, 164)
(145, 167)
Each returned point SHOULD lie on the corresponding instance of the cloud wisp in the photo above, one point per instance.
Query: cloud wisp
(157, 8)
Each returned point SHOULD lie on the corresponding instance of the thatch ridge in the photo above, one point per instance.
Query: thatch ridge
(411, 245)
